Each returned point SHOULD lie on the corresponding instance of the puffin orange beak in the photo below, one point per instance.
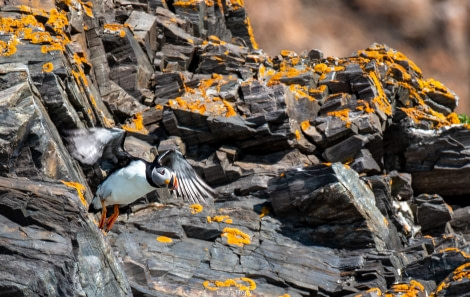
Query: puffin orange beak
(173, 185)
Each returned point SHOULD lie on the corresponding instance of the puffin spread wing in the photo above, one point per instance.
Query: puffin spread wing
(90, 145)
(191, 187)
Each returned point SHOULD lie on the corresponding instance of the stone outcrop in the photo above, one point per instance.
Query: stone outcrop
(334, 175)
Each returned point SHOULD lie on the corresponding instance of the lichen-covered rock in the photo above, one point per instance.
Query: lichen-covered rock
(49, 245)
(263, 130)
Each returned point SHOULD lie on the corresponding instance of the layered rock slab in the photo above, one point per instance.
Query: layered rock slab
(49, 245)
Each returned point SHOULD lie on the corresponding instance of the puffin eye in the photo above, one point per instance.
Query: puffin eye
(163, 172)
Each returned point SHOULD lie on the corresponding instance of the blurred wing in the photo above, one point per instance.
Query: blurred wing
(90, 145)
(191, 187)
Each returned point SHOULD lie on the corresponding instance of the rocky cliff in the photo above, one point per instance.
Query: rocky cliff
(336, 176)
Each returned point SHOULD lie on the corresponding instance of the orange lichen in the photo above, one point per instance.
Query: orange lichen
(80, 190)
(297, 134)
(230, 111)
(319, 90)
(432, 85)
(454, 250)
(385, 221)
(300, 92)
(264, 211)
(9, 48)
(164, 239)
(453, 118)
(87, 7)
(235, 236)
(57, 20)
(219, 219)
(397, 67)
(137, 125)
(304, 125)
(244, 284)
(196, 208)
(461, 272)
(426, 113)
(54, 46)
(254, 44)
(375, 290)
(47, 67)
(201, 101)
(380, 100)
(398, 56)
(115, 28)
(411, 289)
(364, 106)
(322, 68)
(343, 114)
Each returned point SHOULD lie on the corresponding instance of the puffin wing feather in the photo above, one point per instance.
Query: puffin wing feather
(191, 187)
(90, 145)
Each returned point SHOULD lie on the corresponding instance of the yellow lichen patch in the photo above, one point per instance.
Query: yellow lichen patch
(219, 219)
(432, 85)
(196, 208)
(453, 118)
(288, 53)
(285, 295)
(54, 46)
(411, 289)
(254, 44)
(285, 70)
(137, 125)
(164, 239)
(80, 190)
(235, 236)
(192, 3)
(300, 92)
(343, 114)
(214, 39)
(235, 4)
(57, 20)
(319, 90)
(455, 250)
(364, 106)
(244, 284)
(264, 211)
(398, 56)
(230, 110)
(297, 134)
(87, 7)
(385, 221)
(159, 107)
(115, 29)
(204, 100)
(375, 290)
(304, 125)
(426, 113)
(380, 100)
(108, 123)
(47, 67)
(9, 48)
(322, 68)
(460, 273)
(405, 76)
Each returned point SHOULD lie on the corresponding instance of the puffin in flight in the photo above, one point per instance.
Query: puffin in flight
(134, 177)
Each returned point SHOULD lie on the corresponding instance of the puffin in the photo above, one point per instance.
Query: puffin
(133, 177)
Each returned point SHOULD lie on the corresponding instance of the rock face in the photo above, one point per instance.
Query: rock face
(335, 175)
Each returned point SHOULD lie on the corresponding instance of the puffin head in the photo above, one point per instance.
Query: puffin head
(165, 178)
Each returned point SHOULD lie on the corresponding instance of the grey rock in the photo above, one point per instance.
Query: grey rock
(317, 191)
